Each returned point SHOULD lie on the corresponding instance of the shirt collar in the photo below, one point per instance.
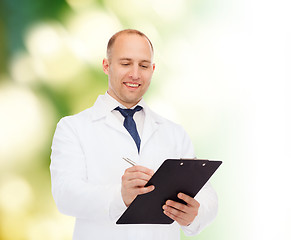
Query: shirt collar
(105, 104)
(112, 103)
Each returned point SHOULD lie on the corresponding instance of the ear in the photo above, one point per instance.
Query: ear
(105, 65)
(154, 66)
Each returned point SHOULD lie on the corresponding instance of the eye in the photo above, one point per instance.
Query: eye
(125, 64)
(144, 66)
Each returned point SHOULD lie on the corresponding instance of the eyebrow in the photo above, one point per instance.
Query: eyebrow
(129, 59)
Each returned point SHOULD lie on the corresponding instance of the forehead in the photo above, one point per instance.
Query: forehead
(132, 46)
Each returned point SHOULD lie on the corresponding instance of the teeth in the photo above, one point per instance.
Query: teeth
(131, 84)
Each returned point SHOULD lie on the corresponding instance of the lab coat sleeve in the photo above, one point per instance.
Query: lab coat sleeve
(73, 194)
(206, 197)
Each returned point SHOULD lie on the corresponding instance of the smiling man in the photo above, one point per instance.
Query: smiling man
(91, 182)
(129, 66)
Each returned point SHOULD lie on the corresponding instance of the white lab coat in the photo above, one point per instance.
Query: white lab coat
(86, 169)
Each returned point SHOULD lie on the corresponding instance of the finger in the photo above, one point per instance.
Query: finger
(189, 200)
(174, 211)
(181, 221)
(138, 168)
(176, 215)
(145, 190)
(176, 205)
(134, 173)
(134, 183)
(142, 190)
(136, 179)
(137, 175)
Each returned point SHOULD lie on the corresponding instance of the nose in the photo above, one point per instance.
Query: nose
(134, 73)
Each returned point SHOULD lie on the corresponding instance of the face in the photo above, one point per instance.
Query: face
(129, 69)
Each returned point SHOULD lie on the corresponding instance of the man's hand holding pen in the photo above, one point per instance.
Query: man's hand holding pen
(133, 181)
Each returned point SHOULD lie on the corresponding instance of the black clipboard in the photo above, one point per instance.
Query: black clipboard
(174, 175)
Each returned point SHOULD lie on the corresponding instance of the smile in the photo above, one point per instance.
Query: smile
(133, 85)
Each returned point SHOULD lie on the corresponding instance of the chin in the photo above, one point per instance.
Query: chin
(132, 101)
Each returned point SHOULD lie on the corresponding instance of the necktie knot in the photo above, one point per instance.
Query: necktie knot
(129, 123)
(128, 112)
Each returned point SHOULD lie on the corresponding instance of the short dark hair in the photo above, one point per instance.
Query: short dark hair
(126, 31)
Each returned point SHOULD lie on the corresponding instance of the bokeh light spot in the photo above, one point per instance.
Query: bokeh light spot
(16, 195)
(24, 124)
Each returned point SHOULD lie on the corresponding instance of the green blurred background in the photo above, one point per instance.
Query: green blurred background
(222, 71)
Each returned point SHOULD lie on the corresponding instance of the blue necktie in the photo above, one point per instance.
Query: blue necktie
(129, 123)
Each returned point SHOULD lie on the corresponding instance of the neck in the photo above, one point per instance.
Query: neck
(128, 105)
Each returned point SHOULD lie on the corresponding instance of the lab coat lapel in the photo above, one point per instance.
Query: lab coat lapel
(151, 125)
(113, 122)
(101, 111)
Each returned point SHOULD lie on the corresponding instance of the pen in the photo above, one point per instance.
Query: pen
(129, 161)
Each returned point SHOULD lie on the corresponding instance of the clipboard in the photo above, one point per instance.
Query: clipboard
(173, 176)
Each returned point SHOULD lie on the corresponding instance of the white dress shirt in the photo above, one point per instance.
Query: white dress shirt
(138, 117)
(87, 166)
